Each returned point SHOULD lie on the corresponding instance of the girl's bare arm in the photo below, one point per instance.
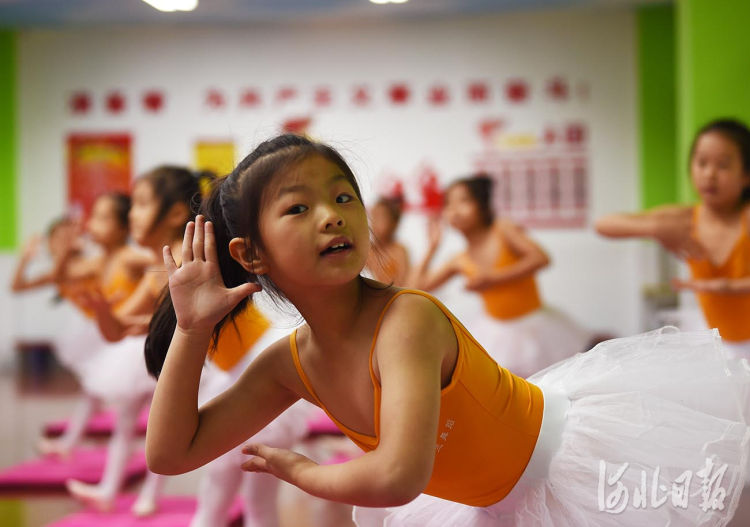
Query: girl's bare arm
(414, 339)
(531, 259)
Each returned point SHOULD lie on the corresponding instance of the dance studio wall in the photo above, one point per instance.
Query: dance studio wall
(591, 51)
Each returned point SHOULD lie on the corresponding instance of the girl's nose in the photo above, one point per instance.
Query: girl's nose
(334, 222)
(332, 219)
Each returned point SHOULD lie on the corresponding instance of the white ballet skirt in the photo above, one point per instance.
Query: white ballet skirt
(640, 431)
(529, 343)
(118, 371)
(78, 343)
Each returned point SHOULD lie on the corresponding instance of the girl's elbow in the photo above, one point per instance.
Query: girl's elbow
(399, 487)
(164, 464)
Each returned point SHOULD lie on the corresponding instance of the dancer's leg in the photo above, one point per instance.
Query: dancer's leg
(103, 494)
(148, 497)
(86, 407)
(217, 489)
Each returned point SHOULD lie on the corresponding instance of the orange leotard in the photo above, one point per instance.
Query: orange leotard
(117, 289)
(729, 312)
(509, 300)
(488, 427)
(236, 339)
(71, 290)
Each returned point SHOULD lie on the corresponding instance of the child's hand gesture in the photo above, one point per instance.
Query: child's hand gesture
(199, 296)
(479, 282)
(711, 285)
(280, 462)
(434, 232)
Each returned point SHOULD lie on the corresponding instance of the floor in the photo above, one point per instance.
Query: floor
(38, 391)
(35, 392)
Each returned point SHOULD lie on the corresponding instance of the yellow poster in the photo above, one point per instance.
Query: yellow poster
(216, 156)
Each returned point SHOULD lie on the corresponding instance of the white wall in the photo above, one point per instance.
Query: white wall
(595, 281)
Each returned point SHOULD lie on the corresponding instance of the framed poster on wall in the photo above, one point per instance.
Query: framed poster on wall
(97, 163)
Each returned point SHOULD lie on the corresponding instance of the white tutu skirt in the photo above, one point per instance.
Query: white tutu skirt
(80, 341)
(118, 372)
(528, 344)
(640, 431)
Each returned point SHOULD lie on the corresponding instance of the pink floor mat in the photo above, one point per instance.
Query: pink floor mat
(321, 424)
(49, 473)
(100, 425)
(174, 511)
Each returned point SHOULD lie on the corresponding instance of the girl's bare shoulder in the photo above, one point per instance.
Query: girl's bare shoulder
(277, 359)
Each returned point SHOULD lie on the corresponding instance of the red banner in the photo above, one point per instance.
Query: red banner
(97, 163)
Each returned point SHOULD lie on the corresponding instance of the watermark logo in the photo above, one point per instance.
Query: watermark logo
(614, 496)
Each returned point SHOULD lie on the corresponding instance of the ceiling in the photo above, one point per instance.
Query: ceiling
(31, 13)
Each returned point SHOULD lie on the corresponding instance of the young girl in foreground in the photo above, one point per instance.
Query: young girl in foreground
(712, 236)
(404, 379)
(500, 264)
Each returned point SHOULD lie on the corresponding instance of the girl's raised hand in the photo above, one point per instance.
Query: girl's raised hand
(198, 293)
(434, 232)
(31, 247)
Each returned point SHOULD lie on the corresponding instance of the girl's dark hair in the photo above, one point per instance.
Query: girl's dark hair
(732, 129)
(121, 204)
(171, 185)
(234, 208)
(480, 188)
(739, 134)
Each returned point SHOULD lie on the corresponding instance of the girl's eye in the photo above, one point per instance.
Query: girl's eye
(296, 209)
(343, 198)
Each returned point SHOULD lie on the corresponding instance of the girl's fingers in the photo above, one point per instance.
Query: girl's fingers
(169, 262)
(187, 243)
(198, 238)
(256, 464)
(210, 244)
(241, 291)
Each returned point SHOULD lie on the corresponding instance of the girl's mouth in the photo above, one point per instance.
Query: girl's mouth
(336, 248)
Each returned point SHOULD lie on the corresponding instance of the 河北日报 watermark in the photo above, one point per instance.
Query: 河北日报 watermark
(614, 496)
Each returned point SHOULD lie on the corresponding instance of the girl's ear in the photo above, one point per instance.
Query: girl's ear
(241, 253)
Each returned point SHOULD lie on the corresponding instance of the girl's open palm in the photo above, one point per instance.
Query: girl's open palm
(198, 293)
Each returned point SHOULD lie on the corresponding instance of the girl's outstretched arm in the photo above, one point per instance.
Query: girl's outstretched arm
(670, 225)
(181, 437)
(20, 282)
(414, 342)
(727, 286)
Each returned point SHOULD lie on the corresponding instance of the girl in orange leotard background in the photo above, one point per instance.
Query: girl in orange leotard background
(711, 236)
(500, 263)
(115, 270)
